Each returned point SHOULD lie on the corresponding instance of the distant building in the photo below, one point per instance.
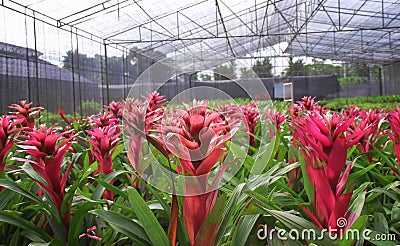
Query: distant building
(22, 72)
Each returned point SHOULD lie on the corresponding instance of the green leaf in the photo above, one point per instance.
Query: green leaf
(380, 222)
(243, 229)
(118, 151)
(356, 176)
(146, 217)
(76, 222)
(306, 180)
(98, 193)
(358, 226)
(228, 211)
(264, 156)
(209, 229)
(13, 218)
(124, 225)
(358, 203)
(11, 185)
(5, 197)
(54, 242)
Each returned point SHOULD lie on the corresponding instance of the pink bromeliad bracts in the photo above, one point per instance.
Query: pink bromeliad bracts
(324, 140)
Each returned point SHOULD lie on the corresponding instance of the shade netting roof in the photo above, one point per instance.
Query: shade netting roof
(365, 31)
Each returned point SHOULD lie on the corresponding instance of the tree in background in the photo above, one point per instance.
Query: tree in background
(296, 68)
(225, 72)
(93, 68)
(246, 73)
(319, 67)
(263, 68)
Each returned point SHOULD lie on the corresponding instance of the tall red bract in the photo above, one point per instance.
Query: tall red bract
(115, 108)
(47, 149)
(197, 136)
(368, 122)
(274, 120)
(304, 105)
(8, 128)
(104, 141)
(394, 121)
(26, 112)
(324, 141)
(252, 115)
(140, 119)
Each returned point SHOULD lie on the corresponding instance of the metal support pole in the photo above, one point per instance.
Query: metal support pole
(79, 75)
(381, 92)
(106, 77)
(73, 73)
(36, 63)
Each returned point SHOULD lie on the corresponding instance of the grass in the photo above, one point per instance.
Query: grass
(376, 102)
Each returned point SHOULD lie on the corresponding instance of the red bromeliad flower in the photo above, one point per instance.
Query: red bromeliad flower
(154, 109)
(105, 119)
(324, 140)
(48, 150)
(141, 118)
(304, 105)
(134, 114)
(115, 108)
(368, 122)
(154, 101)
(197, 136)
(104, 141)
(251, 114)
(394, 121)
(7, 129)
(275, 119)
(25, 112)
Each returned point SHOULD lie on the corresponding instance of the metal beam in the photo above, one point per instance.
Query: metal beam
(223, 25)
(133, 41)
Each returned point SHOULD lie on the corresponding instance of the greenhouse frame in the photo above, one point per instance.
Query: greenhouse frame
(200, 122)
(113, 35)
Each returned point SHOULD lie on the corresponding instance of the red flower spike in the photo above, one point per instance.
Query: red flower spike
(304, 105)
(62, 115)
(367, 122)
(134, 116)
(48, 149)
(251, 114)
(8, 133)
(25, 112)
(274, 120)
(115, 108)
(104, 141)
(324, 140)
(394, 121)
(197, 136)
(105, 119)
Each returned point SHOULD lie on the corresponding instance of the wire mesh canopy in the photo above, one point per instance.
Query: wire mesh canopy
(364, 31)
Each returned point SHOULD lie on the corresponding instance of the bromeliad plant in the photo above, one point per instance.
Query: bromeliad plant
(47, 150)
(25, 112)
(104, 141)
(394, 121)
(324, 141)
(8, 133)
(197, 136)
